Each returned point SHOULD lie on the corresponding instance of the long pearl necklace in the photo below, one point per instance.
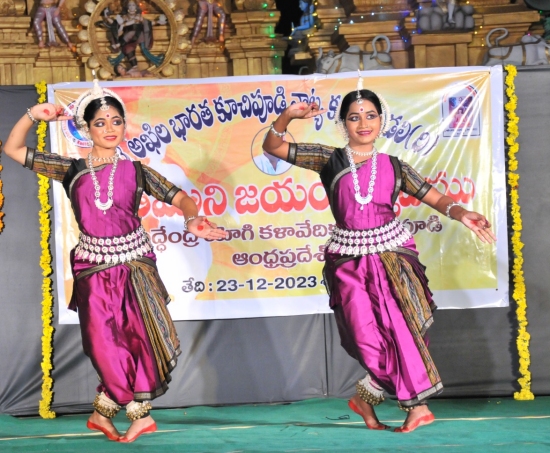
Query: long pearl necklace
(368, 198)
(110, 187)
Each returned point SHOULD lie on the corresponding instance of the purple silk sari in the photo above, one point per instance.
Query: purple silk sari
(114, 334)
(368, 310)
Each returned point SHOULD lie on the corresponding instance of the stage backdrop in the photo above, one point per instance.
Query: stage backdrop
(205, 136)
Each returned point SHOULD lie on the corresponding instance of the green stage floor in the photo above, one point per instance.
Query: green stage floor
(320, 425)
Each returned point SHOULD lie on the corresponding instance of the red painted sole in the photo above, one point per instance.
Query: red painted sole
(354, 408)
(149, 429)
(426, 420)
(92, 426)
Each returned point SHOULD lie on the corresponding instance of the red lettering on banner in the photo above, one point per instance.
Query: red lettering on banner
(278, 197)
(211, 207)
(318, 205)
(197, 198)
(460, 196)
(292, 203)
(144, 207)
(245, 201)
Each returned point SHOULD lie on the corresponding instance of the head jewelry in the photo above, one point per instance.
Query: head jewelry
(384, 116)
(91, 95)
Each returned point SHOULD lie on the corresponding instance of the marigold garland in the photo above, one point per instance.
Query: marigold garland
(45, 263)
(1, 195)
(518, 293)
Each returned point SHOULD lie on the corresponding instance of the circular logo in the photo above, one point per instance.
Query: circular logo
(70, 131)
(270, 165)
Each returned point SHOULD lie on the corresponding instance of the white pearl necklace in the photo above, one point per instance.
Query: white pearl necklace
(368, 198)
(358, 153)
(110, 187)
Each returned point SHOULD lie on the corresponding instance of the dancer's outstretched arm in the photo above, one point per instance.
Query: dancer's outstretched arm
(475, 221)
(15, 146)
(273, 143)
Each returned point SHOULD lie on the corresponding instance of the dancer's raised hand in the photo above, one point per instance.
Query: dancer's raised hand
(304, 110)
(49, 112)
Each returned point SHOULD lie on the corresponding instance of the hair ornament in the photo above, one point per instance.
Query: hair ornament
(359, 99)
(97, 92)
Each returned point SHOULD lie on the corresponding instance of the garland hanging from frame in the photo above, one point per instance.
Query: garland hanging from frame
(1, 194)
(518, 293)
(45, 263)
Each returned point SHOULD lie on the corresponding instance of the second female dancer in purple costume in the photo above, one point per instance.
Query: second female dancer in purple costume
(126, 329)
(378, 289)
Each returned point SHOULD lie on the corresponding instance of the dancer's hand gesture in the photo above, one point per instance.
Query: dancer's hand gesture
(304, 110)
(203, 228)
(49, 112)
(479, 224)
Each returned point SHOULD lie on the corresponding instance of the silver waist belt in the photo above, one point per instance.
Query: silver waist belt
(368, 242)
(116, 249)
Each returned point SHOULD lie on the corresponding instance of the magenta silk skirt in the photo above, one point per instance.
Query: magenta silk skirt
(115, 336)
(374, 329)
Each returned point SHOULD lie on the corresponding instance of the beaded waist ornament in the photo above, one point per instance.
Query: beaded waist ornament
(384, 238)
(114, 250)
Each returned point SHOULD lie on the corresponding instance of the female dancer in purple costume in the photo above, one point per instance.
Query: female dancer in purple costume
(377, 286)
(126, 329)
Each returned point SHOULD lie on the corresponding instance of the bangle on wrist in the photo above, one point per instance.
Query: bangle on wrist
(187, 220)
(32, 118)
(448, 210)
(276, 133)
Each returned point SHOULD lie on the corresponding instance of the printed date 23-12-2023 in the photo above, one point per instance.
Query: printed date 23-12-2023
(257, 284)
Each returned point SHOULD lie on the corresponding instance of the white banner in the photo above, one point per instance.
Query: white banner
(205, 135)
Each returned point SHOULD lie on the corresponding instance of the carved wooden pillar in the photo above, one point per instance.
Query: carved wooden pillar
(17, 56)
(362, 31)
(207, 60)
(256, 49)
(330, 14)
(441, 49)
(58, 64)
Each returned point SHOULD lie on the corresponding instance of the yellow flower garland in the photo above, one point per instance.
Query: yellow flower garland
(518, 293)
(45, 263)
(1, 195)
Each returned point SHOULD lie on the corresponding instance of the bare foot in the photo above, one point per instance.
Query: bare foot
(139, 427)
(98, 422)
(418, 416)
(366, 411)
(41, 45)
